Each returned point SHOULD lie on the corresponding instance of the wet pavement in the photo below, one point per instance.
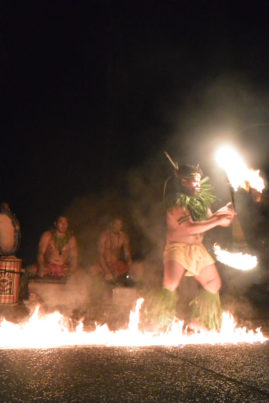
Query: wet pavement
(228, 373)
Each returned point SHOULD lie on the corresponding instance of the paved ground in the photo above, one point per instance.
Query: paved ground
(200, 373)
(149, 374)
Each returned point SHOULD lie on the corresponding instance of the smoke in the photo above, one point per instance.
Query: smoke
(230, 108)
(227, 109)
(66, 297)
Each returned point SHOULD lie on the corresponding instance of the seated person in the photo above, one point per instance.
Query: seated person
(114, 251)
(57, 251)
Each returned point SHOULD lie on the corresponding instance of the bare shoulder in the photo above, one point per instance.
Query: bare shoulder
(177, 212)
(73, 240)
(44, 240)
(124, 236)
(46, 236)
(104, 235)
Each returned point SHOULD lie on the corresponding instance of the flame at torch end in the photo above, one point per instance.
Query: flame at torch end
(239, 175)
(240, 261)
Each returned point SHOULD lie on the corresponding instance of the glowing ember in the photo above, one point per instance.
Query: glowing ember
(237, 260)
(238, 173)
(50, 331)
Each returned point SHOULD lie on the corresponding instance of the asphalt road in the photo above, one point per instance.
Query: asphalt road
(229, 373)
(192, 373)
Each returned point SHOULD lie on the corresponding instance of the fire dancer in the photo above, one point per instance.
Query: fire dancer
(115, 252)
(57, 252)
(188, 218)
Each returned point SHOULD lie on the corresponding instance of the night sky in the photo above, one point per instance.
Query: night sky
(95, 91)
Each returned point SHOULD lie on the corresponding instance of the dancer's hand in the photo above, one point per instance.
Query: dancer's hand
(227, 209)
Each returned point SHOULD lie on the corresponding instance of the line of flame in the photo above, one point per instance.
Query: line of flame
(50, 331)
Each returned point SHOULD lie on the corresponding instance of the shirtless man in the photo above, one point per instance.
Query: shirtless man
(114, 251)
(57, 252)
(187, 221)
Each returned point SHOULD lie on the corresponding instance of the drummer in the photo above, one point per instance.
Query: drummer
(57, 251)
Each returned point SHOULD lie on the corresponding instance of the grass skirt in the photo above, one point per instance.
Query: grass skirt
(206, 308)
(160, 307)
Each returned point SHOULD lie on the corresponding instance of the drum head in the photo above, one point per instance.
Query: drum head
(9, 234)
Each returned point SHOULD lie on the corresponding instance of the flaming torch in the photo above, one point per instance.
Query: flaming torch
(238, 176)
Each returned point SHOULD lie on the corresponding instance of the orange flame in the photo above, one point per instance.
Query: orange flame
(237, 260)
(238, 173)
(50, 331)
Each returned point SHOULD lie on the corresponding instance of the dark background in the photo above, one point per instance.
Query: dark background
(94, 92)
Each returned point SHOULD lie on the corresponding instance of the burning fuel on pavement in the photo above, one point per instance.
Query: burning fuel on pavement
(52, 331)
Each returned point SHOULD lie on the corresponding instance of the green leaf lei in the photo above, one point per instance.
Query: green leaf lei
(198, 204)
(61, 241)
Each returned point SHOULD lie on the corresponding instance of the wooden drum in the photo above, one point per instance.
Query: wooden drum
(9, 233)
(10, 269)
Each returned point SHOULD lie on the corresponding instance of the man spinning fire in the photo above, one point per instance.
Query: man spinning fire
(57, 252)
(188, 218)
